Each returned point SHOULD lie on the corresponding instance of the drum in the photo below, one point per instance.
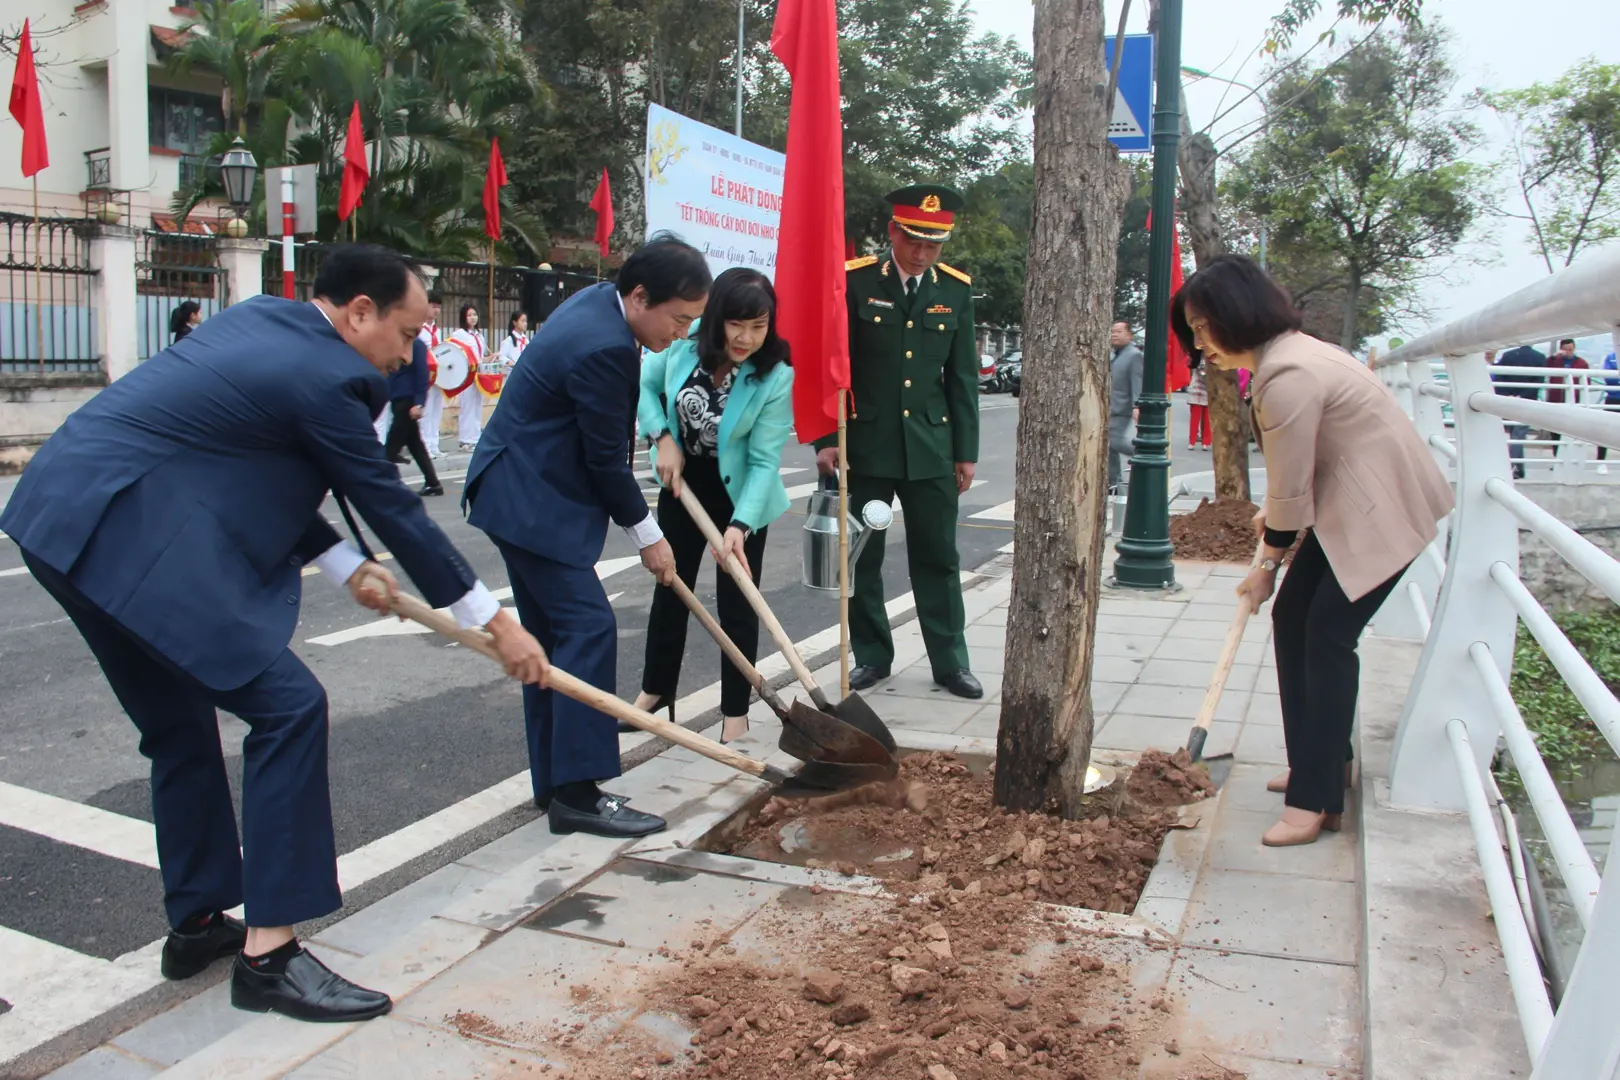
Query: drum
(491, 376)
(455, 363)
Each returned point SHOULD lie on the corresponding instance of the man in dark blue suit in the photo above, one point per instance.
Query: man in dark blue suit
(171, 517)
(551, 470)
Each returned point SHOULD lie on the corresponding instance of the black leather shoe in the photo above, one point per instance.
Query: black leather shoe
(544, 804)
(961, 683)
(185, 955)
(867, 675)
(400, 459)
(610, 818)
(431, 489)
(308, 991)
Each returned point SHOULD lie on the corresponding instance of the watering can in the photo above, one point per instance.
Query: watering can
(821, 535)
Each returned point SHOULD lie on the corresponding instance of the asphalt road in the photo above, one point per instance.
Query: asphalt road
(417, 725)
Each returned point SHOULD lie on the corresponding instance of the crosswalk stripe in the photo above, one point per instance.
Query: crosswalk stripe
(999, 512)
(75, 823)
(15, 571)
(52, 989)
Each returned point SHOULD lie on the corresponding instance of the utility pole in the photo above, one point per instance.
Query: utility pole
(1144, 550)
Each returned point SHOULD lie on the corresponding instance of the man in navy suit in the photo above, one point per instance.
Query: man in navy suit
(552, 468)
(171, 517)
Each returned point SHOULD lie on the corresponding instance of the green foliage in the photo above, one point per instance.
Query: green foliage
(992, 238)
(1286, 24)
(1564, 733)
(1364, 162)
(1131, 275)
(1566, 141)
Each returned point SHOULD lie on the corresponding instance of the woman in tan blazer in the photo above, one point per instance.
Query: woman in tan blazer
(1344, 464)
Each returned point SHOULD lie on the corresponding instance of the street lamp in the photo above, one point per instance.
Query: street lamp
(238, 169)
(1264, 107)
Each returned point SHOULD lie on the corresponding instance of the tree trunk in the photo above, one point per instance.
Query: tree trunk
(1228, 419)
(1044, 744)
(1352, 297)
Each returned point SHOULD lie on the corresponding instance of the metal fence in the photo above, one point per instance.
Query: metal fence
(1467, 598)
(171, 269)
(47, 322)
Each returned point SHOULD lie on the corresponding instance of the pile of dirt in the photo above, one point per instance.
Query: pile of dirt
(1216, 532)
(1161, 779)
(982, 989)
(951, 838)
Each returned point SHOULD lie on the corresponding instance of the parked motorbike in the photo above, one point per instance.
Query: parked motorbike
(1011, 373)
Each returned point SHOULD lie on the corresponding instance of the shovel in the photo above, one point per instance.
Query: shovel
(862, 724)
(811, 736)
(823, 779)
(1223, 669)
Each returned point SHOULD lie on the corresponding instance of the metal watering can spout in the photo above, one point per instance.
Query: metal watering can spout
(821, 535)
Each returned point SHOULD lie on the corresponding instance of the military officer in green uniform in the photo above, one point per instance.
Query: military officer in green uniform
(913, 430)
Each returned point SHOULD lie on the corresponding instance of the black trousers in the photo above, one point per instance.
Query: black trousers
(405, 433)
(1317, 628)
(666, 625)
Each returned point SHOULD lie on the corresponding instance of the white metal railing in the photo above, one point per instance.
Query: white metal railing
(1464, 599)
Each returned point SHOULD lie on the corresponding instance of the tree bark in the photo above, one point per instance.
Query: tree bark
(1352, 296)
(1044, 743)
(1228, 419)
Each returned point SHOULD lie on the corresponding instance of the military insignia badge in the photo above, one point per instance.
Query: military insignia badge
(931, 204)
(875, 302)
(939, 309)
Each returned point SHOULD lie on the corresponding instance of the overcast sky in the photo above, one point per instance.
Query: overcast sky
(1496, 43)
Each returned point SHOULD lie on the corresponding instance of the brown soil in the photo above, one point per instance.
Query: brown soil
(952, 837)
(1216, 532)
(1161, 779)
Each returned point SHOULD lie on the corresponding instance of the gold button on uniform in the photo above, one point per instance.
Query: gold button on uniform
(908, 324)
(906, 413)
(877, 318)
(942, 326)
(908, 354)
(908, 382)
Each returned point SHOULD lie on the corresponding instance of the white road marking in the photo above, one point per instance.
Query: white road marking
(388, 626)
(790, 472)
(1001, 512)
(76, 823)
(15, 571)
(52, 989)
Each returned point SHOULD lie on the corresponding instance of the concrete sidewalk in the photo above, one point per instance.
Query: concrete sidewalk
(1262, 952)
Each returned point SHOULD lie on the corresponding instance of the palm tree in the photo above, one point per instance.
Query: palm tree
(233, 40)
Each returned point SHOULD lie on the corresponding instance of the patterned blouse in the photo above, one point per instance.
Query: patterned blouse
(698, 407)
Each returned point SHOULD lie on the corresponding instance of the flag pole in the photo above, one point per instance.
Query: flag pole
(490, 311)
(843, 547)
(39, 280)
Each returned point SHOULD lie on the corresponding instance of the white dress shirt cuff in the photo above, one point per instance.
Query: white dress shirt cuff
(476, 608)
(339, 562)
(645, 532)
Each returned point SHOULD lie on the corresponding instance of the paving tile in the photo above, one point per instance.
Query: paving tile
(983, 660)
(1159, 1064)
(980, 636)
(1129, 603)
(1162, 671)
(1116, 669)
(944, 714)
(985, 725)
(538, 880)
(172, 1036)
(1132, 624)
(1170, 886)
(402, 1050)
(650, 905)
(1219, 612)
(1289, 1010)
(1105, 696)
(1126, 731)
(1264, 707)
(1130, 646)
(1265, 681)
(371, 928)
(1280, 916)
(104, 1063)
(1262, 743)
(1181, 702)
(996, 616)
(1208, 650)
(1245, 789)
(1236, 846)
(1258, 630)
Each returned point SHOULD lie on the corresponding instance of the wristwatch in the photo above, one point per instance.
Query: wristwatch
(746, 531)
(1269, 565)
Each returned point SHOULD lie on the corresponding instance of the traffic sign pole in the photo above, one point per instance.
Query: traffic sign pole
(288, 216)
(1144, 550)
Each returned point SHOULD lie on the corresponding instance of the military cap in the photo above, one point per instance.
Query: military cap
(926, 211)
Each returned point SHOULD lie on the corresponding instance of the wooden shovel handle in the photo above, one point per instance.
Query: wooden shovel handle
(419, 612)
(695, 510)
(1223, 666)
(727, 646)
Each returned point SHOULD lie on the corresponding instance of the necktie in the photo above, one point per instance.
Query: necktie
(911, 288)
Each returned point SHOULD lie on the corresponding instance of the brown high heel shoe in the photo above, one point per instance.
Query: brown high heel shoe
(1286, 833)
(1279, 784)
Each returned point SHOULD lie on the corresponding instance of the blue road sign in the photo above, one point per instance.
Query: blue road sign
(1131, 126)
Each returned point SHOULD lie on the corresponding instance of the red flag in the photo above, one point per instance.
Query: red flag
(1176, 372)
(25, 107)
(811, 314)
(494, 180)
(355, 170)
(602, 203)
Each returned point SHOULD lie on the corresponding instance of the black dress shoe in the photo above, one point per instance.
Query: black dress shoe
(867, 675)
(961, 683)
(544, 804)
(185, 955)
(431, 489)
(400, 459)
(610, 818)
(309, 990)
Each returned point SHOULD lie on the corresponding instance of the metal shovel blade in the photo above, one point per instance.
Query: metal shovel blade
(813, 736)
(820, 778)
(855, 712)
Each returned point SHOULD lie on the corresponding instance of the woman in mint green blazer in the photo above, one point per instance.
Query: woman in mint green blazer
(716, 409)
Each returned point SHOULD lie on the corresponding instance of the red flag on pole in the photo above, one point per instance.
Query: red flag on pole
(602, 203)
(811, 313)
(1177, 374)
(494, 180)
(355, 170)
(25, 107)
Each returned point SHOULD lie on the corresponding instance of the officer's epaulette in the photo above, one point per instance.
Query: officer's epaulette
(955, 273)
(863, 261)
